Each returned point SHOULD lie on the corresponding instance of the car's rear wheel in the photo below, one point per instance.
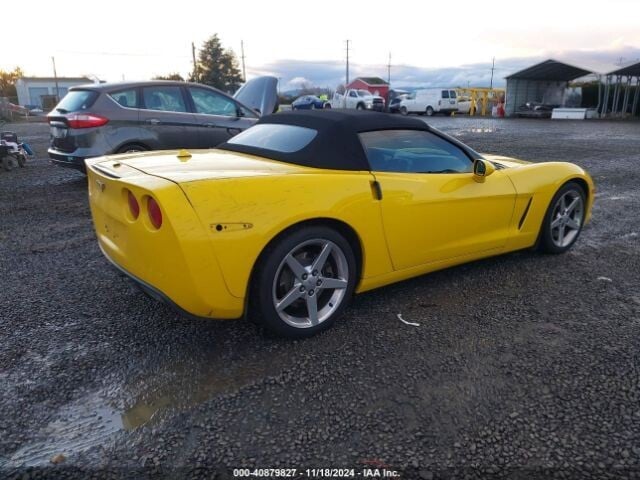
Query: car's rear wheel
(430, 111)
(564, 219)
(132, 148)
(304, 282)
(327, 105)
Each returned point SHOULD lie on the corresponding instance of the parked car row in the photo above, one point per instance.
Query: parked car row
(101, 119)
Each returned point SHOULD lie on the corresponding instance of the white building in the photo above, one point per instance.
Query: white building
(31, 90)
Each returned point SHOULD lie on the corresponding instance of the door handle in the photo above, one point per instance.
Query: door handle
(153, 121)
(376, 190)
(210, 125)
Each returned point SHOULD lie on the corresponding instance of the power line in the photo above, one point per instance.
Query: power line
(115, 54)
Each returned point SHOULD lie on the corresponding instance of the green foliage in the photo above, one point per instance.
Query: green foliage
(171, 76)
(217, 66)
(8, 82)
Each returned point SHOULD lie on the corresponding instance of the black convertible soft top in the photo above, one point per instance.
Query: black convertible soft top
(336, 145)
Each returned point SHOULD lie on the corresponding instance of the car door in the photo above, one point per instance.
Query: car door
(352, 99)
(218, 116)
(165, 115)
(432, 207)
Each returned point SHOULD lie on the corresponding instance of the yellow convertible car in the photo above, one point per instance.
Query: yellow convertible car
(285, 221)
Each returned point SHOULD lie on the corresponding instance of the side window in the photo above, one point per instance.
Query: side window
(165, 98)
(126, 98)
(445, 93)
(413, 151)
(212, 103)
(452, 93)
(353, 94)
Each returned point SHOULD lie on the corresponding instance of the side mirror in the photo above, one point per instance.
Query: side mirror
(482, 169)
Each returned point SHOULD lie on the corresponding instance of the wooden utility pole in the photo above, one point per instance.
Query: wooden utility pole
(493, 65)
(244, 72)
(389, 70)
(195, 64)
(55, 78)
(347, 83)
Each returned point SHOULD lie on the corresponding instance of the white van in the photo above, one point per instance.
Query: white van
(430, 101)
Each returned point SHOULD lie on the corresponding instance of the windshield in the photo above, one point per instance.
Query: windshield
(364, 93)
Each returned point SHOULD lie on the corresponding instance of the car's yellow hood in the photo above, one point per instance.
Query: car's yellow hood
(197, 165)
(506, 161)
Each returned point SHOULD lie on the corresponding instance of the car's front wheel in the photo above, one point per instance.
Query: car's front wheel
(564, 219)
(303, 282)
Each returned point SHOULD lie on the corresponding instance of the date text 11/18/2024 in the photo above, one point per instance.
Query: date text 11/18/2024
(315, 473)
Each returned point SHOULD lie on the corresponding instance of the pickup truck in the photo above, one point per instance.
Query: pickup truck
(358, 99)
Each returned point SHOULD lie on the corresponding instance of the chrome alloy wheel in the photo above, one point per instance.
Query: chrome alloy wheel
(566, 218)
(310, 283)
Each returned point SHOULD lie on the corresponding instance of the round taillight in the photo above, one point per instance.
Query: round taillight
(155, 215)
(134, 206)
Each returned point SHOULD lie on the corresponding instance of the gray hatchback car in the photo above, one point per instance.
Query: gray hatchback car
(101, 119)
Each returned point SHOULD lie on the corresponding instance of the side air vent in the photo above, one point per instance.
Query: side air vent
(524, 215)
(499, 166)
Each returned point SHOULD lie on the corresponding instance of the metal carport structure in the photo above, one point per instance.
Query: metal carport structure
(532, 83)
(619, 80)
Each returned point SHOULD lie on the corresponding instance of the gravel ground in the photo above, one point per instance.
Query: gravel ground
(523, 366)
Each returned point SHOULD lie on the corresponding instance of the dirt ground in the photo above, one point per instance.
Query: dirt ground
(522, 366)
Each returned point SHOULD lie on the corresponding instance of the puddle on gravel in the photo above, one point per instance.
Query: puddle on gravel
(89, 422)
(76, 428)
(191, 389)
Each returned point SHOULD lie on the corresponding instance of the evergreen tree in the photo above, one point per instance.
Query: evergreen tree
(217, 66)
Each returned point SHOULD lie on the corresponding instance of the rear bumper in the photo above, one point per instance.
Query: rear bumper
(175, 263)
(67, 160)
(152, 291)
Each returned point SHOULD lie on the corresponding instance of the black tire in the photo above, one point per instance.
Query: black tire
(429, 111)
(404, 111)
(360, 106)
(262, 308)
(22, 161)
(132, 148)
(327, 105)
(7, 164)
(548, 241)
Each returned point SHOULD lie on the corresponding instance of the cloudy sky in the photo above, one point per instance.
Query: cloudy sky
(431, 43)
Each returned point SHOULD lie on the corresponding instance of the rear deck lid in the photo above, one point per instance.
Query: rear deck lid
(181, 166)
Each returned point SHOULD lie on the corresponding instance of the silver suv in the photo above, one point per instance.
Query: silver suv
(101, 119)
